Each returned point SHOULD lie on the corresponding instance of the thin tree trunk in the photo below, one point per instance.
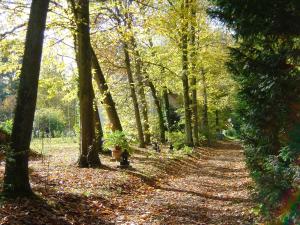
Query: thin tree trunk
(108, 101)
(193, 79)
(167, 108)
(142, 96)
(205, 122)
(16, 179)
(133, 96)
(158, 105)
(185, 80)
(162, 128)
(88, 154)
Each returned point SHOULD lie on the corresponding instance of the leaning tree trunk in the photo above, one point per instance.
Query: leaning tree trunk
(205, 123)
(16, 179)
(108, 102)
(193, 79)
(133, 96)
(185, 80)
(162, 128)
(88, 154)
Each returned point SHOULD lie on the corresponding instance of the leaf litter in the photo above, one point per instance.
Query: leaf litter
(211, 186)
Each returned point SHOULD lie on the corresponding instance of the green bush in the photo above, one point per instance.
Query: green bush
(117, 138)
(177, 139)
(187, 150)
(6, 126)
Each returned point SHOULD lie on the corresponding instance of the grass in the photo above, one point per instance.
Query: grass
(49, 145)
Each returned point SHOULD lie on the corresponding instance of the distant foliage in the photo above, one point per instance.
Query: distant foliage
(49, 121)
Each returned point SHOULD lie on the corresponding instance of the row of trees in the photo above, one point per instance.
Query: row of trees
(125, 51)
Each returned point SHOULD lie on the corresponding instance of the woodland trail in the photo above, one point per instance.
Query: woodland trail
(211, 188)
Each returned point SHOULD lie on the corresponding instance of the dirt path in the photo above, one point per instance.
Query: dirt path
(210, 188)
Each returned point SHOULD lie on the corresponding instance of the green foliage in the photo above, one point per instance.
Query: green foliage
(264, 64)
(117, 139)
(187, 150)
(6, 126)
(177, 139)
(51, 120)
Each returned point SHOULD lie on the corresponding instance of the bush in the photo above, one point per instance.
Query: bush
(117, 138)
(177, 139)
(6, 126)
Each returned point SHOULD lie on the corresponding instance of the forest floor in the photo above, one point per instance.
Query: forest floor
(211, 186)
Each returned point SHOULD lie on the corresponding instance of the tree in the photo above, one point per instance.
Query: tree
(140, 85)
(88, 155)
(159, 110)
(185, 80)
(193, 59)
(205, 122)
(264, 63)
(108, 101)
(16, 179)
(133, 96)
(126, 39)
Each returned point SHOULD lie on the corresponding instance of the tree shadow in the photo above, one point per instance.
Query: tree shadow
(206, 196)
(53, 207)
(202, 215)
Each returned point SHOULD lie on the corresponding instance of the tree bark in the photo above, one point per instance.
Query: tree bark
(108, 102)
(98, 129)
(205, 122)
(185, 80)
(193, 79)
(16, 179)
(141, 92)
(167, 108)
(133, 96)
(162, 127)
(88, 154)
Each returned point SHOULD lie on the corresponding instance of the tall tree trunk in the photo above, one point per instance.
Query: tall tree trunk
(141, 93)
(108, 101)
(16, 179)
(98, 129)
(88, 154)
(158, 104)
(205, 123)
(133, 96)
(193, 79)
(162, 127)
(185, 80)
(167, 108)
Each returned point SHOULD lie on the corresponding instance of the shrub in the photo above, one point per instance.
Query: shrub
(177, 139)
(117, 138)
(6, 126)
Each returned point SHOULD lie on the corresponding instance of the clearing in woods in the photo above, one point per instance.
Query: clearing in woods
(209, 187)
